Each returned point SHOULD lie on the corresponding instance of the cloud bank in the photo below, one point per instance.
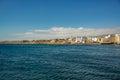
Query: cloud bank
(63, 32)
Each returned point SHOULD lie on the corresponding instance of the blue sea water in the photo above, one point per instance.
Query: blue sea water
(59, 62)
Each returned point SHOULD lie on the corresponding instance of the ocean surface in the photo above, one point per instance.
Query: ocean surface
(59, 62)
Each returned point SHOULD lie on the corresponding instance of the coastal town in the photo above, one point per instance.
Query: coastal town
(101, 39)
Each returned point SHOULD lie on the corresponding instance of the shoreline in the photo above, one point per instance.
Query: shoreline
(103, 40)
(60, 43)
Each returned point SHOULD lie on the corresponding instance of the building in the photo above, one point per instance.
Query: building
(80, 39)
(117, 38)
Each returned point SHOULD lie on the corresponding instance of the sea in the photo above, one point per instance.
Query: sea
(59, 62)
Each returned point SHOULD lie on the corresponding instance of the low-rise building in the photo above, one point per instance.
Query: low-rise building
(117, 38)
(80, 39)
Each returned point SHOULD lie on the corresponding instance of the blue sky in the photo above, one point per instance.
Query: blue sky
(21, 16)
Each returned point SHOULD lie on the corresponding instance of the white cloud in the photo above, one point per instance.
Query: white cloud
(63, 32)
(28, 33)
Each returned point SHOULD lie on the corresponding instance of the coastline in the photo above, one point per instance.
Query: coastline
(103, 40)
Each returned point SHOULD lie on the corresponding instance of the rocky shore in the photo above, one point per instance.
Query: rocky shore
(104, 39)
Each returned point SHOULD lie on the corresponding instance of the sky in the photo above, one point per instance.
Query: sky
(47, 19)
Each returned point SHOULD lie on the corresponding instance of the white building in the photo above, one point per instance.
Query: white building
(78, 39)
(94, 39)
(117, 38)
